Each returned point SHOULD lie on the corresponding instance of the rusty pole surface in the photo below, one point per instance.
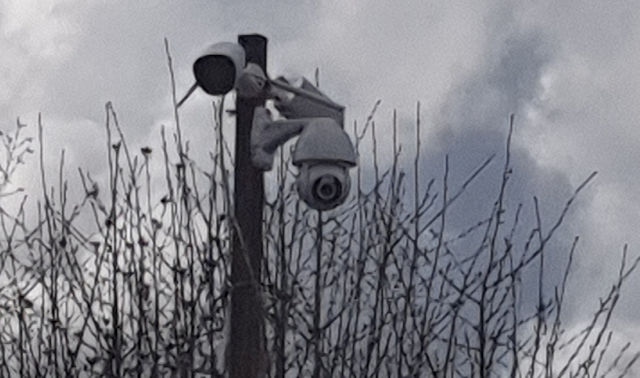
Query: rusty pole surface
(246, 353)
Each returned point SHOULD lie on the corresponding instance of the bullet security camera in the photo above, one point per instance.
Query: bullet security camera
(218, 70)
(323, 155)
(223, 68)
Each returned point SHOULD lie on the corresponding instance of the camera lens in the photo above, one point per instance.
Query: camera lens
(327, 188)
(215, 74)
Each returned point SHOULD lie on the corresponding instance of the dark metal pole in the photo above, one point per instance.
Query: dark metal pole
(246, 356)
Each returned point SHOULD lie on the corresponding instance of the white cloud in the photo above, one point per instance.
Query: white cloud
(35, 37)
(400, 53)
(44, 29)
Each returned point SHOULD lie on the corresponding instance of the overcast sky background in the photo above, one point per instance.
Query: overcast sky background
(568, 70)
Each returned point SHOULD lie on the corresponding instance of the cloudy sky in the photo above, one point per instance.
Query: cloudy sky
(567, 70)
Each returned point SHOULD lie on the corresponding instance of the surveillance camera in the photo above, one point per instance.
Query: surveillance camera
(323, 154)
(323, 186)
(217, 71)
(223, 68)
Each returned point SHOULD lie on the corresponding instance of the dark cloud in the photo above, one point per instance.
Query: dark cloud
(473, 125)
(474, 121)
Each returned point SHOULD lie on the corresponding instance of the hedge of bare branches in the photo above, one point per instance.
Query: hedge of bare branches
(131, 278)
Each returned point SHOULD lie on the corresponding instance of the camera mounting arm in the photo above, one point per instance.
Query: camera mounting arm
(267, 135)
(322, 139)
(302, 105)
(317, 97)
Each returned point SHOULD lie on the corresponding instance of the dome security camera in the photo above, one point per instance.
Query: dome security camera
(323, 186)
(323, 155)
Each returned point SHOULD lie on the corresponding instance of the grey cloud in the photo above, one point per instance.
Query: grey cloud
(473, 125)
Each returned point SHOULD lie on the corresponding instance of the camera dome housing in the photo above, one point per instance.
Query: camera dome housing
(323, 155)
(323, 140)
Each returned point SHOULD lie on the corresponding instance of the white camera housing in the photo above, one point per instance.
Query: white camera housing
(223, 68)
(323, 155)
(218, 70)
